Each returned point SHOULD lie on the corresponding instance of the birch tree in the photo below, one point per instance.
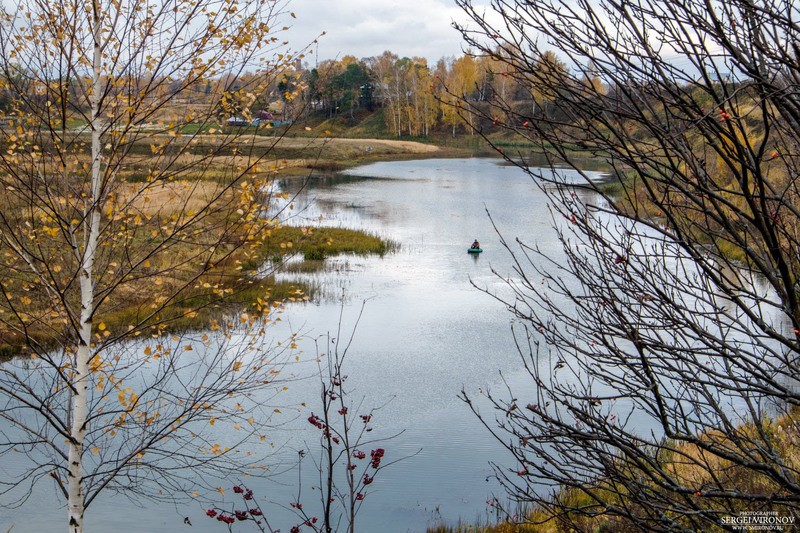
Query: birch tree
(128, 208)
(461, 85)
(384, 71)
(424, 110)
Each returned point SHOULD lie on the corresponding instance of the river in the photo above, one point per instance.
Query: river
(427, 331)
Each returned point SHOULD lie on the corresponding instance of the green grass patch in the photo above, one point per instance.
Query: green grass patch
(318, 243)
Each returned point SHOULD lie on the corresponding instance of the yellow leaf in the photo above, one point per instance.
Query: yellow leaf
(212, 421)
(148, 350)
(101, 326)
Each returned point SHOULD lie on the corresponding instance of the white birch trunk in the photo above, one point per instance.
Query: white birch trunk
(399, 108)
(75, 494)
(455, 116)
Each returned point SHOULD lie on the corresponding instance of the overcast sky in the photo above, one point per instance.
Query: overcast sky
(365, 28)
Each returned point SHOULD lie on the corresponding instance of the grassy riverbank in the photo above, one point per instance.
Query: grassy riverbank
(306, 156)
(184, 287)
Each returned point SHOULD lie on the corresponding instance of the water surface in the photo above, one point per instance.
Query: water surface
(429, 329)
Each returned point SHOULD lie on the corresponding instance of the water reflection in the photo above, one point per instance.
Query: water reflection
(426, 333)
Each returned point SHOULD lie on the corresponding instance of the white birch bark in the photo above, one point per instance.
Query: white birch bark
(75, 493)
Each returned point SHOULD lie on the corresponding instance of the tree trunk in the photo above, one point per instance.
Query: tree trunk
(75, 495)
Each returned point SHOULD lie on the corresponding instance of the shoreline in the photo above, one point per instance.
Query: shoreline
(335, 154)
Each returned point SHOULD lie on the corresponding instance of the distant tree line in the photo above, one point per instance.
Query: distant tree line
(418, 98)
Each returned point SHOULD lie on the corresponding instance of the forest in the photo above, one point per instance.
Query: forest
(414, 99)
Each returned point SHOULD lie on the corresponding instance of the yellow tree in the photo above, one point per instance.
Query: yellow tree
(384, 71)
(129, 204)
(430, 108)
(438, 92)
(422, 108)
(461, 86)
(550, 69)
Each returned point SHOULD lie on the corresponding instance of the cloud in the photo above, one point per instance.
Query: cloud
(365, 28)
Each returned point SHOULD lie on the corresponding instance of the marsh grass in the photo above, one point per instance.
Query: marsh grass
(193, 280)
(220, 293)
(220, 268)
(319, 243)
(197, 307)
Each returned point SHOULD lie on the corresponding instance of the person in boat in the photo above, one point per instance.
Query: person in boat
(475, 245)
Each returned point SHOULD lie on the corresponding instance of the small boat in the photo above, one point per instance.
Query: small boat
(474, 250)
